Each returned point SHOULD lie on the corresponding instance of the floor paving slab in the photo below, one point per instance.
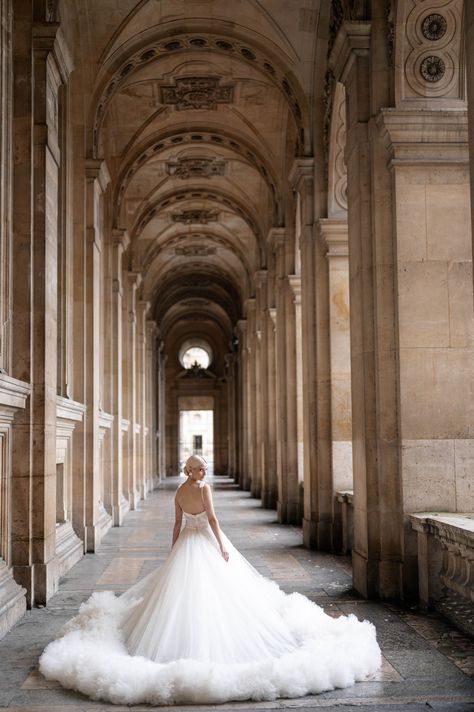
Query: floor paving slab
(428, 665)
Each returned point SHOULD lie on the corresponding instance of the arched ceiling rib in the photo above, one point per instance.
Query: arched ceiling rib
(244, 50)
(139, 156)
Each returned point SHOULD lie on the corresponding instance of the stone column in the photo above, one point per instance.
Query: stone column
(270, 484)
(13, 393)
(97, 179)
(120, 505)
(294, 282)
(230, 362)
(378, 521)
(333, 234)
(256, 395)
(286, 405)
(41, 63)
(250, 385)
(151, 404)
(469, 60)
(161, 411)
(318, 491)
(133, 280)
(142, 311)
(261, 344)
(434, 306)
(242, 404)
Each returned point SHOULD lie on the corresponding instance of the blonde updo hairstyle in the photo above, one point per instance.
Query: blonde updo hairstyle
(193, 461)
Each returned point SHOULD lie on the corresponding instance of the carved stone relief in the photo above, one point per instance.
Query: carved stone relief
(196, 167)
(189, 217)
(429, 50)
(202, 92)
(195, 251)
(337, 171)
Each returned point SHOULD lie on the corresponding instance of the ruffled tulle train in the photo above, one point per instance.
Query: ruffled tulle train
(200, 630)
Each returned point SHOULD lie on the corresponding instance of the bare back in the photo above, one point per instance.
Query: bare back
(190, 498)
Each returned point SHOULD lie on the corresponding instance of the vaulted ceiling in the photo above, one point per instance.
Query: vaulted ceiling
(199, 108)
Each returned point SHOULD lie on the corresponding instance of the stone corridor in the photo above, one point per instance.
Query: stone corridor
(427, 664)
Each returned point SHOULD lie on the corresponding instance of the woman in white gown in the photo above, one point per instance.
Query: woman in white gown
(206, 627)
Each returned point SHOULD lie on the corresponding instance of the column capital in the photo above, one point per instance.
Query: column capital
(260, 277)
(334, 235)
(48, 37)
(352, 39)
(249, 305)
(272, 313)
(134, 279)
(301, 170)
(97, 169)
(414, 137)
(294, 282)
(144, 306)
(276, 237)
(120, 238)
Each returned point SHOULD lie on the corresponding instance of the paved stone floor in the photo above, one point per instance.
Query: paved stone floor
(427, 664)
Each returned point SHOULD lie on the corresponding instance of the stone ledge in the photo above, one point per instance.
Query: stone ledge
(69, 409)
(13, 393)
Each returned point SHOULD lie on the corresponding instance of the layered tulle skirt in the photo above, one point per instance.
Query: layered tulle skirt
(202, 630)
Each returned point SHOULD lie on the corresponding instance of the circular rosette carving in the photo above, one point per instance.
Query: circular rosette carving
(434, 27)
(432, 68)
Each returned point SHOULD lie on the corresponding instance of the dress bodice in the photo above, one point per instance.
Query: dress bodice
(196, 521)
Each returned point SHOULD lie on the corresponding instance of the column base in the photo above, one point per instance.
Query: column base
(69, 548)
(376, 579)
(269, 500)
(287, 513)
(96, 532)
(39, 580)
(310, 534)
(134, 498)
(12, 600)
(256, 491)
(119, 511)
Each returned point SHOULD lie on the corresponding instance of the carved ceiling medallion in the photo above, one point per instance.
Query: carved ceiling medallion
(432, 68)
(202, 217)
(197, 93)
(196, 168)
(434, 27)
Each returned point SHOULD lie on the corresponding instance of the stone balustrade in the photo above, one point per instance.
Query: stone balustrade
(446, 564)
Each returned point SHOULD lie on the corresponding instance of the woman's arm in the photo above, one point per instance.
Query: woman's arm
(178, 518)
(213, 523)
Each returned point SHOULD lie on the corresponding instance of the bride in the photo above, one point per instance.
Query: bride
(206, 627)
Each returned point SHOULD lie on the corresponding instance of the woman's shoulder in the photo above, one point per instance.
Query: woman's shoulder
(178, 490)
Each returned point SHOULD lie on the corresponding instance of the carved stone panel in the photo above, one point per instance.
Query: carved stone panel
(429, 53)
(337, 171)
(202, 217)
(196, 167)
(195, 251)
(202, 92)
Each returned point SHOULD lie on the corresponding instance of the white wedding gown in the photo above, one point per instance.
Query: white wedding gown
(202, 630)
